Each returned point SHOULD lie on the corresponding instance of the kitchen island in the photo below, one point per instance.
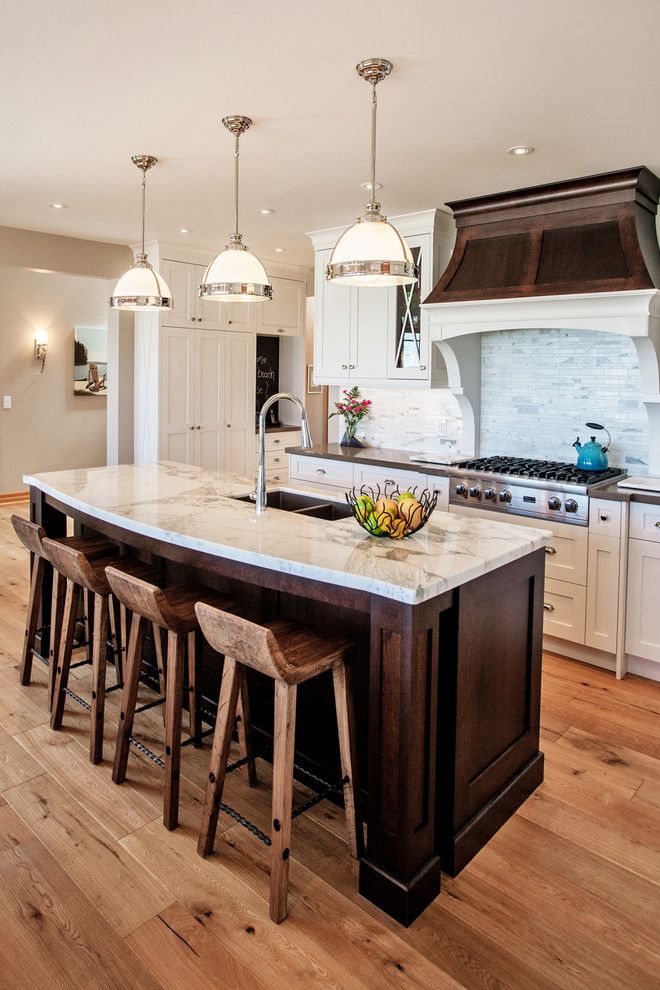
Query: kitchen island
(447, 630)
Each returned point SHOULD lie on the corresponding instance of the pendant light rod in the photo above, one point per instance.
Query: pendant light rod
(144, 163)
(237, 124)
(373, 71)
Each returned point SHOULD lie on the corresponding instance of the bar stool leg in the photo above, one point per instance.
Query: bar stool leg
(69, 621)
(347, 750)
(56, 618)
(32, 618)
(283, 754)
(99, 659)
(129, 697)
(243, 730)
(157, 633)
(194, 717)
(224, 727)
(176, 646)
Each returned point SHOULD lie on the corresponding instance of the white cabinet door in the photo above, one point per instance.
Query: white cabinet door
(239, 384)
(410, 359)
(177, 389)
(369, 333)
(209, 399)
(181, 280)
(643, 605)
(441, 486)
(285, 313)
(602, 592)
(334, 313)
(388, 478)
(318, 471)
(208, 312)
(240, 316)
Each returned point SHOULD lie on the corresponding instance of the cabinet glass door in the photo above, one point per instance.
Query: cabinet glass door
(408, 320)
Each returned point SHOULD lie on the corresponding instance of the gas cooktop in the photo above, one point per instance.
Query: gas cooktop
(525, 467)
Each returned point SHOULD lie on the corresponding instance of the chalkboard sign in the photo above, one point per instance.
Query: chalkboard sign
(268, 375)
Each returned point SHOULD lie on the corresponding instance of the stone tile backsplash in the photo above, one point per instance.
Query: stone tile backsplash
(538, 388)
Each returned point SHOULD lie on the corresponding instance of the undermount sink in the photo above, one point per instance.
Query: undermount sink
(303, 505)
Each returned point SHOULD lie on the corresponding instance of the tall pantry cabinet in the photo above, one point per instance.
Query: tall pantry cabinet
(195, 366)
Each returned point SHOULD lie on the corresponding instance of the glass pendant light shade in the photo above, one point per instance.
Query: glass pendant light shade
(236, 275)
(141, 288)
(372, 252)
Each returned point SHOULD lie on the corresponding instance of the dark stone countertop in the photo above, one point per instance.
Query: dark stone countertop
(379, 457)
(614, 494)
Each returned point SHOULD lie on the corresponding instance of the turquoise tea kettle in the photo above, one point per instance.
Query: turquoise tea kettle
(592, 456)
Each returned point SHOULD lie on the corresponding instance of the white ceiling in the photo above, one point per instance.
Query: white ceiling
(86, 85)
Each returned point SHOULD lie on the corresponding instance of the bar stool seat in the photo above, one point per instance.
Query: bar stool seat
(81, 562)
(290, 654)
(173, 610)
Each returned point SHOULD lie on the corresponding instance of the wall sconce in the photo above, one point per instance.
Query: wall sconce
(40, 347)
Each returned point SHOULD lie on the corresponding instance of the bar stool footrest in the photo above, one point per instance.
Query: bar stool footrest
(198, 738)
(320, 796)
(40, 657)
(81, 663)
(245, 822)
(149, 753)
(148, 705)
(76, 697)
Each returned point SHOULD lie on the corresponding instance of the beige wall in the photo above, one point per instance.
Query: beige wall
(47, 428)
(37, 251)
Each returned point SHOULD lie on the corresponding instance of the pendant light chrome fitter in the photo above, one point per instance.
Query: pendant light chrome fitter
(141, 288)
(371, 251)
(236, 275)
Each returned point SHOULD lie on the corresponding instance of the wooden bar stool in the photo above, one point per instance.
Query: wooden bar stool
(290, 654)
(32, 537)
(81, 563)
(173, 610)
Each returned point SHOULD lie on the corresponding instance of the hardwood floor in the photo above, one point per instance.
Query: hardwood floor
(94, 892)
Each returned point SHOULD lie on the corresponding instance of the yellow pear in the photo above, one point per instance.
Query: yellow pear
(386, 505)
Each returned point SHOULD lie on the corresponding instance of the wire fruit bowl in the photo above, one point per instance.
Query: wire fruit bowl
(389, 512)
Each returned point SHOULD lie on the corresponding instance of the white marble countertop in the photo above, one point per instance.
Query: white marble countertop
(193, 507)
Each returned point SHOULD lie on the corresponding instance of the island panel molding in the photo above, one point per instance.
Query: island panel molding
(412, 664)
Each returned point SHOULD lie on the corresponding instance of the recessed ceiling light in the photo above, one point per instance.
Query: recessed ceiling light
(280, 250)
(520, 149)
(58, 206)
(265, 211)
(367, 186)
(185, 230)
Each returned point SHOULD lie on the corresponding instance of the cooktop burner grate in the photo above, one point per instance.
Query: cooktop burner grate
(524, 467)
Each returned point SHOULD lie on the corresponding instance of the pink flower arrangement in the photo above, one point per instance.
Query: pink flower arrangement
(353, 408)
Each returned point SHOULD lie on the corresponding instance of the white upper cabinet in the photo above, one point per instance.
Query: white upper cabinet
(285, 313)
(183, 279)
(372, 335)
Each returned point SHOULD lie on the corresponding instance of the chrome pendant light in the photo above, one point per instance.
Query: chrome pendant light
(141, 288)
(236, 275)
(371, 251)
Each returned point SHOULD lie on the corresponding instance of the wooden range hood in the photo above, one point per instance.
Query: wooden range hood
(594, 234)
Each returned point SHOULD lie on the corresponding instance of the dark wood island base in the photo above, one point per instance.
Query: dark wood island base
(447, 696)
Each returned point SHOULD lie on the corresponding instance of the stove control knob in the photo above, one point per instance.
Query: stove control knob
(475, 491)
(554, 503)
(490, 494)
(461, 490)
(571, 505)
(505, 496)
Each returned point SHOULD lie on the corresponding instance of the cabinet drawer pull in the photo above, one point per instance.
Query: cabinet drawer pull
(658, 524)
(320, 470)
(277, 460)
(277, 441)
(551, 550)
(548, 607)
(389, 481)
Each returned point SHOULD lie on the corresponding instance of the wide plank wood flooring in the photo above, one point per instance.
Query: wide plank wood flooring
(95, 893)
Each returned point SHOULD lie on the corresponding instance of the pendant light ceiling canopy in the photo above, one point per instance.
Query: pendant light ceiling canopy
(371, 251)
(141, 288)
(236, 275)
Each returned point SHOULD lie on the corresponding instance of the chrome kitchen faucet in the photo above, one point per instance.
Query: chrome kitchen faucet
(305, 441)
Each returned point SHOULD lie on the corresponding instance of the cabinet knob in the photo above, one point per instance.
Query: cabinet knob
(389, 481)
(276, 460)
(229, 426)
(229, 322)
(192, 427)
(280, 330)
(548, 607)
(352, 367)
(658, 524)
(344, 367)
(551, 550)
(276, 477)
(320, 470)
(422, 367)
(198, 427)
(604, 518)
(277, 441)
